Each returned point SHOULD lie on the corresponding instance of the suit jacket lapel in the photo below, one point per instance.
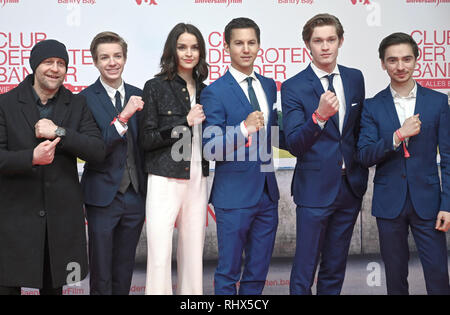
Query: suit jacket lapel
(346, 84)
(420, 107)
(236, 88)
(318, 89)
(269, 98)
(29, 108)
(104, 99)
(132, 123)
(389, 106)
(61, 108)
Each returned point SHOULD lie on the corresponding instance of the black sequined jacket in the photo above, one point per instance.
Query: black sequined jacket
(163, 126)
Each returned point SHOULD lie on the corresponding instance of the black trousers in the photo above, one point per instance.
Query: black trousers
(47, 288)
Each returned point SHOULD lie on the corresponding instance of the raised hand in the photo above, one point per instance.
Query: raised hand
(254, 122)
(196, 115)
(135, 104)
(44, 153)
(328, 105)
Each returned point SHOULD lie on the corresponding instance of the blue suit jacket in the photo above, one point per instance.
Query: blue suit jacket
(100, 181)
(394, 173)
(317, 175)
(240, 171)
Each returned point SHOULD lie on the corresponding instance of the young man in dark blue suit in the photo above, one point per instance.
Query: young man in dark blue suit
(401, 129)
(114, 191)
(321, 113)
(239, 109)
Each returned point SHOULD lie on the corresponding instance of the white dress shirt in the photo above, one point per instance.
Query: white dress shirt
(405, 106)
(241, 78)
(338, 88)
(121, 129)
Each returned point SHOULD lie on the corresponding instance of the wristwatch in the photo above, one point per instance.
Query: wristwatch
(60, 132)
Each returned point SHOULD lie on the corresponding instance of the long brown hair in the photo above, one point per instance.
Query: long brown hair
(169, 58)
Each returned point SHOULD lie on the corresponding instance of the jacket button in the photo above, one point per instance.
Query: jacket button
(183, 89)
(187, 98)
(175, 134)
(42, 213)
(169, 112)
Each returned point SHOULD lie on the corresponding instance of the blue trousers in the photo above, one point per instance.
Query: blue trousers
(251, 231)
(431, 245)
(114, 233)
(324, 234)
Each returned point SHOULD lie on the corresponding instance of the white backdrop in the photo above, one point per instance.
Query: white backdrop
(145, 24)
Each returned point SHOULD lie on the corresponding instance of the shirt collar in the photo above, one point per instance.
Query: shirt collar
(239, 76)
(37, 99)
(112, 91)
(320, 73)
(412, 93)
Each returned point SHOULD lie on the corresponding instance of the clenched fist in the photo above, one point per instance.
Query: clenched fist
(254, 122)
(328, 105)
(196, 115)
(45, 128)
(135, 104)
(411, 126)
(443, 221)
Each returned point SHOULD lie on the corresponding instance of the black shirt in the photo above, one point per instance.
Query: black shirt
(45, 110)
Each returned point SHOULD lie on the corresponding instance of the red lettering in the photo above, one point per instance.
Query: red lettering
(210, 41)
(85, 56)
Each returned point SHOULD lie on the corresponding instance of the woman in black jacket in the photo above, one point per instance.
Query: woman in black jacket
(177, 187)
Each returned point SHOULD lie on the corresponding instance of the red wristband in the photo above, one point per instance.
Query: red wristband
(249, 142)
(320, 117)
(405, 150)
(399, 135)
(314, 118)
(122, 120)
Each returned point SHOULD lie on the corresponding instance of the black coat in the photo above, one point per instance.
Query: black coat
(164, 123)
(34, 199)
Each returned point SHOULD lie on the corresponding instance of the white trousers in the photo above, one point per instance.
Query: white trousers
(173, 201)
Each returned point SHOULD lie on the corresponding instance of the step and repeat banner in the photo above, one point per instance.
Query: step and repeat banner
(145, 24)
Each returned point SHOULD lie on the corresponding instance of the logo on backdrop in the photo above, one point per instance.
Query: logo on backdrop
(5, 2)
(227, 2)
(15, 48)
(360, 1)
(437, 2)
(295, 1)
(432, 69)
(75, 2)
(150, 2)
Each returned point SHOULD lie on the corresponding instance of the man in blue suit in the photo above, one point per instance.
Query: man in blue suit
(114, 191)
(239, 109)
(321, 113)
(401, 129)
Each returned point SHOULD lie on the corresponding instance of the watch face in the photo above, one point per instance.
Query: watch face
(60, 132)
